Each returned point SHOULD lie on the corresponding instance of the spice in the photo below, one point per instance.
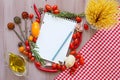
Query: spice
(10, 26)
(17, 20)
(25, 15)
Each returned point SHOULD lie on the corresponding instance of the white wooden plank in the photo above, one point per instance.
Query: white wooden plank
(11, 8)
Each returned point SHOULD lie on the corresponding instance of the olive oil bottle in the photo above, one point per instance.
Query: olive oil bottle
(17, 63)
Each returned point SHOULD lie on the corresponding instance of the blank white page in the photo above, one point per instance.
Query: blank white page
(55, 33)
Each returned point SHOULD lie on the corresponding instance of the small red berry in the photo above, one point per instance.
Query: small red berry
(86, 27)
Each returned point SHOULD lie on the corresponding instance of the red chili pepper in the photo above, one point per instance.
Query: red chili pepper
(37, 12)
(46, 69)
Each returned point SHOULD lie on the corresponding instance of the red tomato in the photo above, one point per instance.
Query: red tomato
(45, 10)
(63, 67)
(73, 69)
(78, 56)
(81, 61)
(28, 48)
(78, 19)
(72, 45)
(31, 16)
(32, 58)
(30, 55)
(54, 66)
(58, 66)
(37, 20)
(34, 40)
(54, 7)
(56, 11)
(78, 34)
(76, 65)
(86, 27)
(27, 43)
(76, 41)
(73, 52)
(74, 36)
(48, 7)
(38, 64)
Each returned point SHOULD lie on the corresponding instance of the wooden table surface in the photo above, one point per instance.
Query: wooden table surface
(8, 41)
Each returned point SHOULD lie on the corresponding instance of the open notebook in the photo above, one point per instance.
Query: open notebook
(55, 37)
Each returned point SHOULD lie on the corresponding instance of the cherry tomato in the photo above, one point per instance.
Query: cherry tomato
(78, 56)
(31, 16)
(78, 19)
(32, 58)
(28, 48)
(81, 61)
(74, 36)
(54, 66)
(26, 53)
(27, 43)
(48, 7)
(76, 65)
(56, 11)
(34, 40)
(86, 27)
(73, 69)
(38, 64)
(21, 49)
(58, 66)
(54, 7)
(72, 46)
(35, 29)
(78, 34)
(30, 55)
(73, 52)
(45, 10)
(30, 38)
(76, 41)
(37, 20)
(63, 67)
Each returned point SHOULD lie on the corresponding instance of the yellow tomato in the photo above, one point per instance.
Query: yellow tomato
(35, 29)
(30, 38)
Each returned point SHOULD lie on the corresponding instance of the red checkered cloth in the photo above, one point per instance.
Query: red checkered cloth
(102, 57)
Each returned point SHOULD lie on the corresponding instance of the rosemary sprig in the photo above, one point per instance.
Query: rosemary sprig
(33, 47)
(65, 14)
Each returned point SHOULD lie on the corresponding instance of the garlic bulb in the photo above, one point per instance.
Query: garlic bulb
(69, 61)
